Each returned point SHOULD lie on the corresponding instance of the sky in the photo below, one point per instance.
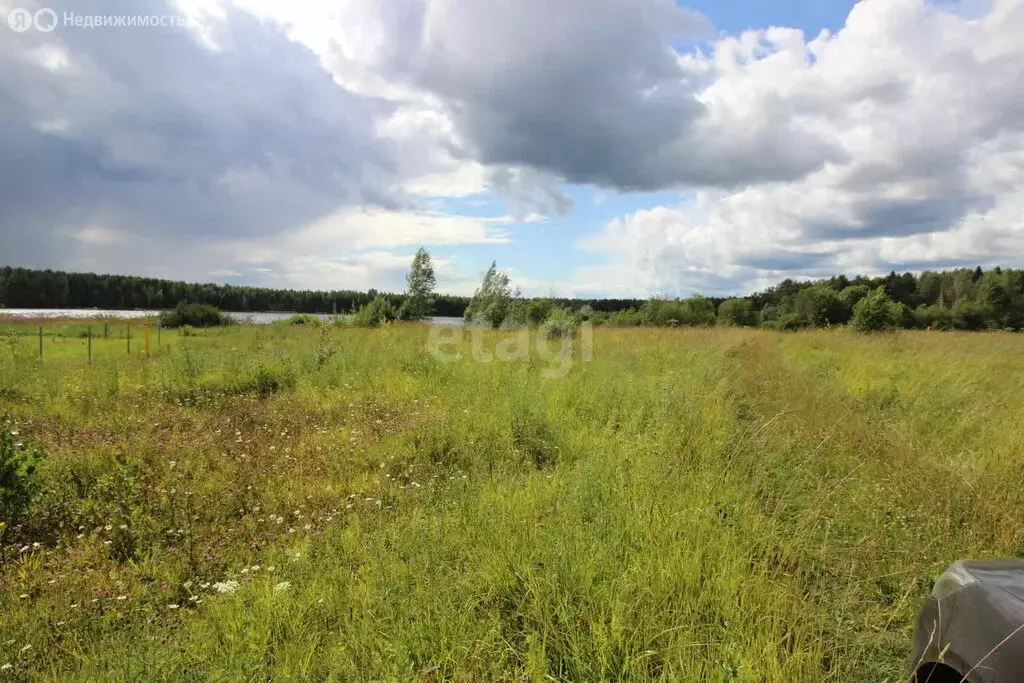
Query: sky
(615, 148)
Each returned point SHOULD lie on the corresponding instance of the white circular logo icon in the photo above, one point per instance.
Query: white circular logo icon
(20, 19)
(46, 20)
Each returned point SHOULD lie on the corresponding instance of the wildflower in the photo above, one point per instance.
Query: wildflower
(254, 568)
(172, 464)
(6, 667)
(173, 605)
(226, 587)
(122, 597)
(26, 648)
(14, 433)
(108, 527)
(23, 596)
(283, 586)
(308, 527)
(60, 623)
(187, 584)
(74, 606)
(271, 568)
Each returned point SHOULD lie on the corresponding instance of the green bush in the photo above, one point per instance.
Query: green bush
(971, 315)
(737, 312)
(877, 312)
(302, 319)
(561, 322)
(17, 478)
(264, 379)
(935, 317)
(377, 313)
(195, 315)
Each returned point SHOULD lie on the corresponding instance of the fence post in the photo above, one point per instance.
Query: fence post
(145, 326)
(40, 343)
(158, 326)
(129, 328)
(90, 344)
(105, 330)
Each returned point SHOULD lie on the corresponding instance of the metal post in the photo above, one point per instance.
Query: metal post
(40, 343)
(106, 330)
(129, 328)
(145, 327)
(90, 344)
(158, 326)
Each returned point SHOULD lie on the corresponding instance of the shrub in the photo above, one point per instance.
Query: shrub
(17, 477)
(195, 315)
(970, 315)
(263, 379)
(934, 316)
(303, 319)
(738, 312)
(377, 313)
(561, 322)
(537, 311)
(876, 312)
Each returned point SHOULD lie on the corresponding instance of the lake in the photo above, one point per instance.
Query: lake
(263, 318)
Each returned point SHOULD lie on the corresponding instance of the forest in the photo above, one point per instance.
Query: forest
(964, 298)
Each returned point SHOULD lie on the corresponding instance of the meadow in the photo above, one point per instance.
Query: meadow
(331, 503)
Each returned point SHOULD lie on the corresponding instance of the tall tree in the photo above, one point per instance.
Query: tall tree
(490, 301)
(419, 302)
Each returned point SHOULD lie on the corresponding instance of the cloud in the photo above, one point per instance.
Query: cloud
(925, 106)
(158, 135)
(267, 132)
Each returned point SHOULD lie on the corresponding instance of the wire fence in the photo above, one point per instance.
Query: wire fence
(137, 336)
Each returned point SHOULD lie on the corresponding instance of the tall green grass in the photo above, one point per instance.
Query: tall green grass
(337, 504)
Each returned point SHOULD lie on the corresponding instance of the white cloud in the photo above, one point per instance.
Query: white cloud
(310, 137)
(926, 108)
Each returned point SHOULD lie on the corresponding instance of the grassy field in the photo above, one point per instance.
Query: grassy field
(273, 503)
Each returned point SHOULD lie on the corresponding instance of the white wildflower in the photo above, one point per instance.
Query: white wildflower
(227, 587)
(173, 605)
(6, 667)
(283, 586)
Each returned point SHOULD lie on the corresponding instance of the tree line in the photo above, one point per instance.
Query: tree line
(27, 288)
(964, 298)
